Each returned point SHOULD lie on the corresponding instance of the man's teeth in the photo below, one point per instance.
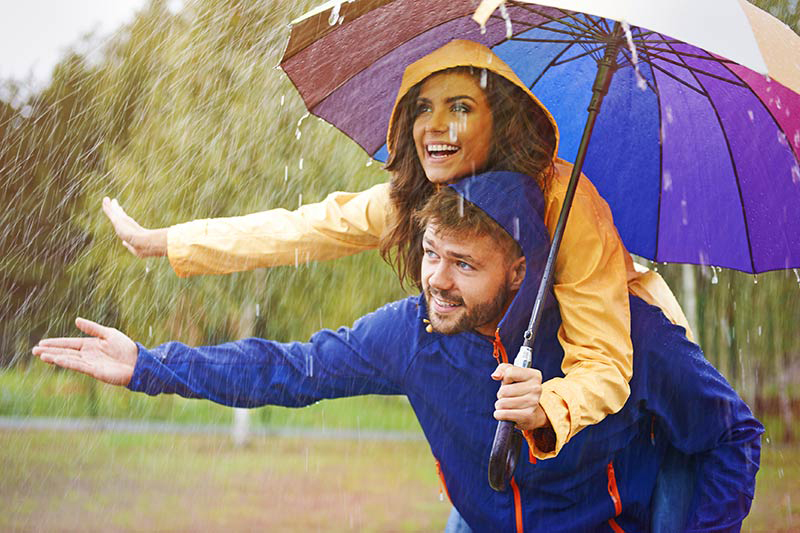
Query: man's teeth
(446, 304)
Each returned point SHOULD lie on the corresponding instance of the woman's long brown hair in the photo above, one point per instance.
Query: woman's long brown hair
(523, 141)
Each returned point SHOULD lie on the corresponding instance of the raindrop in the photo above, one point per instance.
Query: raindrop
(796, 138)
(640, 81)
(684, 213)
(309, 365)
(778, 102)
(453, 132)
(297, 132)
(146, 268)
(504, 13)
(714, 278)
(751, 115)
(283, 97)
(755, 279)
(150, 331)
(258, 310)
(369, 162)
(667, 179)
(483, 29)
(670, 118)
(484, 78)
(334, 16)
(300, 164)
(300, 200)
(782, 139)
(516, 228)
(796, 174)
(341, 19)
(460, 206)
(759, 331)
(285, 173)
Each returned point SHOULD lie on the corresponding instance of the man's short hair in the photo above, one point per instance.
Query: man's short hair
(453, 215)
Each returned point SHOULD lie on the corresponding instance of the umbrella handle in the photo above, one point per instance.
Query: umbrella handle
(505, 453)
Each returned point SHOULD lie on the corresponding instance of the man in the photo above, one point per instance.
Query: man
(445, 350)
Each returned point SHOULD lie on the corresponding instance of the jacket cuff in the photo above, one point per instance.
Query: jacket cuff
(179, 239)
(558, 413)
(147, 366)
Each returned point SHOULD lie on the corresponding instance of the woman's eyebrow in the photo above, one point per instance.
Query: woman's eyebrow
(460, 97)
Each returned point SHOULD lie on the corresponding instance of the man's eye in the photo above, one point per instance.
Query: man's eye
(464, 266)
(430, 254)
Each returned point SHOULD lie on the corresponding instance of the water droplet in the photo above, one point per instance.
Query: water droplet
(755, 279)
(507, 19)
(667, 179)
(516, 228)
(751, 115)
(796, 274)
(300, 200)
(283, 97)
(333, 18)
(684, 212)
(714, 278)
(782, 139)
(310, 365)
(461, 206)
(796, 138)
(453, 129)
(796, 174)
(484, 78)
(150, 331)
(258, 310)
(778, 102)
(759, 331)
(483, 29)
(369, 162)
(285, 173)
(300, 164)
(668, 111)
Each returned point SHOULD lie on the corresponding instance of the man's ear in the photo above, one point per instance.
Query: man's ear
(517, 270)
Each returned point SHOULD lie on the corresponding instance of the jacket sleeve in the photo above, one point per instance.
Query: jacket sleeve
(253, 372)
(342, 224)
(701, 415)
(591, 289)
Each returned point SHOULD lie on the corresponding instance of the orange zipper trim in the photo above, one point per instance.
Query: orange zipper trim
(612, 489)
(443, 485)
(615, 526)
(499, 350)
(517, 506)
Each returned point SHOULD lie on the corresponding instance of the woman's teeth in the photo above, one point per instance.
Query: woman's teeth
(441, 150)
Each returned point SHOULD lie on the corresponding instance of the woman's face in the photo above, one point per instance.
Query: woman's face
(452, 127)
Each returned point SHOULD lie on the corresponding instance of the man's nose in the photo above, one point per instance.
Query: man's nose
(440, 277)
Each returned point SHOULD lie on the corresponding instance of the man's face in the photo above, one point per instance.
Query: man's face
(468, 283)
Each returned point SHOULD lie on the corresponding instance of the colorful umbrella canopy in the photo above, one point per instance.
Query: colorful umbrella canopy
(696, 148)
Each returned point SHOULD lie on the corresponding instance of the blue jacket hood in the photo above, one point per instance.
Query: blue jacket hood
(516, 202)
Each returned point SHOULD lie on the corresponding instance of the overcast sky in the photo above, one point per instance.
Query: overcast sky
(36, 34)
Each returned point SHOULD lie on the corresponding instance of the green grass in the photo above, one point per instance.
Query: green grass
(102, 481)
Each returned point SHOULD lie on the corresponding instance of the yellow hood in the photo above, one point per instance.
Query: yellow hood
(461, 53)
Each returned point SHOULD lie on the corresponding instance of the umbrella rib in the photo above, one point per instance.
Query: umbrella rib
(579, 56)
(553, 19)
(660, 160)
(528, 26)
(694, 70)
(550, 65)
(645, 46)
(629, 61)
(562, 41)
(735, 171)
(676, 78)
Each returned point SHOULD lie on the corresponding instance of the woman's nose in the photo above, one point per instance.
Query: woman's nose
(438, 122)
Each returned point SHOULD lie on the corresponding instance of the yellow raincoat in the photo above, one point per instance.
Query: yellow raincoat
(594, 271)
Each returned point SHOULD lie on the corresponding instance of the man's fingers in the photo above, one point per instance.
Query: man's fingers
(74, 343)
(517, 402)
(509, 373)
(520, 388)
(92, 328)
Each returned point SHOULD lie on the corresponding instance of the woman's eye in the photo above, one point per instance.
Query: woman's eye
(422, 108)
(460, 108)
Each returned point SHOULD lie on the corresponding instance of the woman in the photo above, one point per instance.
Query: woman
(460, 110)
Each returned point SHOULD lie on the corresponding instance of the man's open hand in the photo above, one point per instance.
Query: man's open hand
(108, 354)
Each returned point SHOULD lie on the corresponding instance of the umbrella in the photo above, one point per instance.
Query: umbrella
(697, 147)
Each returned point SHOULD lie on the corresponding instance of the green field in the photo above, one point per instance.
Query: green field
(102, 481)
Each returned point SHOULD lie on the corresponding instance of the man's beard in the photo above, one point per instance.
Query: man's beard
(470, 318)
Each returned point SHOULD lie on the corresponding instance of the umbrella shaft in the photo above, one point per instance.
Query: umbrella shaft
(606, 68)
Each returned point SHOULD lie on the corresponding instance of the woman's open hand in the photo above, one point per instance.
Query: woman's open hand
(107, 355)
(141, 242)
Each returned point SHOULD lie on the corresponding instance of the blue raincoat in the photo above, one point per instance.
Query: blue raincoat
(602, 480)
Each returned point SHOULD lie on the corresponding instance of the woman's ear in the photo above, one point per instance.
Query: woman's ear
(517, 270)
